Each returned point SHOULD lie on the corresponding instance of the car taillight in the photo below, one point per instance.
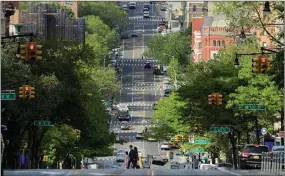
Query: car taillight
(245, 154)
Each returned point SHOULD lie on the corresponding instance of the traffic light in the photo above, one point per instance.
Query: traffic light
(22, 93)
(212, 99)
(32, 92)
(265, 64)
(256, 65)
(34, 51)
(219, 99)
(23, 52)
(27, 91)
(39, 52)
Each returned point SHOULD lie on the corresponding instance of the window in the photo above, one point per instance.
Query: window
(223, 43)
(194, 8)
(264, 44)
(219, 43)
(214, 43)
(200, 45)
(200, 57)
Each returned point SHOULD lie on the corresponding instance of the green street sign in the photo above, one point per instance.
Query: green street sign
(252, 107)
(186, 154)
(197, 150)
(178, 154)
(8, 96)
(220, 129)
(43, 123)
(202, 141)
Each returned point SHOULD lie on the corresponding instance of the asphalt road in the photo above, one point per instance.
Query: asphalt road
(146, 172)
(140, 88)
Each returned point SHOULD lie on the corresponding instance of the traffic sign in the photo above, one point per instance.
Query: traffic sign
(197, 150)
(43, 123)
(252, 107)
(8, 96)
(202, 141)
(220, 129)
(263, 131)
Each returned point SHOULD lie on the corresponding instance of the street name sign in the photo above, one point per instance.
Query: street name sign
(43, 123)
(252, 107)
(202, 141)
(8, 96)
(220, 129)
(197, 150)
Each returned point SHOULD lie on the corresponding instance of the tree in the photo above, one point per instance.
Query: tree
(110, 13)
(177, 45)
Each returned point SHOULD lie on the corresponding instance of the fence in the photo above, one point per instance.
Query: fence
(273, 163)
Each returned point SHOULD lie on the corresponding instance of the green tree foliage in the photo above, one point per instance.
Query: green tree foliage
(110, 13)
(177, 45)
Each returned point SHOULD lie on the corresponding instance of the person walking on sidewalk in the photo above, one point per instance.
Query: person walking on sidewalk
(136, 158)
(126, 160)
(131, 157)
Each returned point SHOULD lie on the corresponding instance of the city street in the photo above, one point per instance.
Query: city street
(146, 172)
(140, 87)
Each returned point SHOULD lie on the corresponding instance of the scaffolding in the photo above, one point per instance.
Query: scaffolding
(48, 22)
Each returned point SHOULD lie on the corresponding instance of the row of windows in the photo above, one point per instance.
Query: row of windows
(218, 43)
(215, 43)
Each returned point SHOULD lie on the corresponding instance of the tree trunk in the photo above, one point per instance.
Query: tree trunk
(282, 125)
(233, 143)
(257, 131)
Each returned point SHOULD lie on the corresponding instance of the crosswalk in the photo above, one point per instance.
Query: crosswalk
(138, 60)
(152, 18)
(141, 88)
(143, 84)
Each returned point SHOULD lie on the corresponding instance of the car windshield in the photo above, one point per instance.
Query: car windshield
(121, 155)
(254, 149)
(165, 143)
(281, 149)
(124, 113)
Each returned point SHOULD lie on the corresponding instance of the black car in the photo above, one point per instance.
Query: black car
(251, 155)
(167, 92)
(147, 65)
(134, 34)
(124, 36)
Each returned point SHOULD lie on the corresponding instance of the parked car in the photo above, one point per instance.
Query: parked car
(147, 65)
(120, 157)
(146, 5)
(165, 146)
(139, 135)
(251, 155)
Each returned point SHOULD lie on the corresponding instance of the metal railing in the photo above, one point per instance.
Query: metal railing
(273, 163)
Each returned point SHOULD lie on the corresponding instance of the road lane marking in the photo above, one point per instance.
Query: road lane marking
(229, 172)
(134, 41)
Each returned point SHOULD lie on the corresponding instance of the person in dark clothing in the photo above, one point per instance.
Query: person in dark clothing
(131, 156)
(136, 158)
